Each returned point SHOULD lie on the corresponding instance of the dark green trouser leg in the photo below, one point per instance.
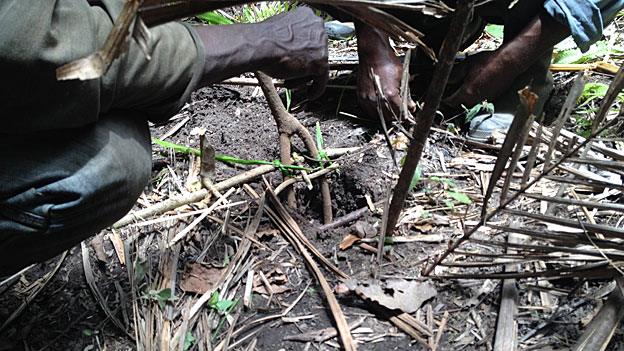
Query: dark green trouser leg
(59, 187)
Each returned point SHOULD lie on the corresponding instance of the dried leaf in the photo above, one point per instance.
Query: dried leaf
(395, 294)
(277, 280)
(348, 241)
(199, 279)
(98, 246)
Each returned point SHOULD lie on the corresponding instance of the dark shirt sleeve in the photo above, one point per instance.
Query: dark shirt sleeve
(586, 19)
(38, 36)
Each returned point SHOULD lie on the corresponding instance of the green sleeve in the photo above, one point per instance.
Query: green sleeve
(38, 36)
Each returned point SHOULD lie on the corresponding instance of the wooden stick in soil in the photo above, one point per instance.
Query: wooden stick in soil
(287, 126)
(506, 337)
(426, 116)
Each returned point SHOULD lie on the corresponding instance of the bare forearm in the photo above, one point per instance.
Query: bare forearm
(493, 75)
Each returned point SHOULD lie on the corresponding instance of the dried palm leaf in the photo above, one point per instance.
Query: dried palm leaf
(572, 245)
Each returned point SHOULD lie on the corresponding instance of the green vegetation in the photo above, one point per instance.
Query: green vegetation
(250, 13)
(160, 296)
(214, 17)
(221, 305)
(189, 341)
(596, 52)
(452, 194)
(587, 106)
(495, 30)
(225, 158)
(486, 107)
(322, 155)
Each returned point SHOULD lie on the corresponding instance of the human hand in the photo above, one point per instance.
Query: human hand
(390, 74)
(299, 49)
(377, 58)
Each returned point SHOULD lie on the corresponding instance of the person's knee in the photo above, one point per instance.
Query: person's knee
(93, 181)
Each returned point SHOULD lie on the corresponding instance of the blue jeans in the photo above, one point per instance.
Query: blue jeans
(58, 188)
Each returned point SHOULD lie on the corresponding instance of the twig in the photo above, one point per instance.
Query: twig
(197, 196)
(6, 283)
(507, 326)
(86, 264)
(261, 320)
(339, 222)
(440, 332)
(339, 318)
(512, 198)
(287, 126)
(322, 335)
(41, 284)
(242, 252)
(198, 220)
(426, 116)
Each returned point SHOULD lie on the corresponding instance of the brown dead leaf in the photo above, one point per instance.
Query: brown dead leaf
(348, 241)
(277, 280)
(118, 245)
(395, 294)
(98, 246)
(424, 228)
(199, 279)
(400, 143)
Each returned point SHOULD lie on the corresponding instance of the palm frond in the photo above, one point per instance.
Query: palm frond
(564, 207)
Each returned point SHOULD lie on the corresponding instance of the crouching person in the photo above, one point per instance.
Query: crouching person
(75, 155)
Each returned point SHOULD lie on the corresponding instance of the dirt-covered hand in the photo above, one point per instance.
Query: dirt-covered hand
(299, 45)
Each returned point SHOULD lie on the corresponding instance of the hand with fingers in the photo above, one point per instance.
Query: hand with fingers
(379, 75)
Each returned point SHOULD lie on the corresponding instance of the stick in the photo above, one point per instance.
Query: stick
(339, 318)
(506, 338)
(426, 116)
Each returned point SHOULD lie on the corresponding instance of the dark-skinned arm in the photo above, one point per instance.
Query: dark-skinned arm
(495, 71)
(291, 45)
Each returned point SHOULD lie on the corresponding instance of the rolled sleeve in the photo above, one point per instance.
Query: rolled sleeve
(585, 19)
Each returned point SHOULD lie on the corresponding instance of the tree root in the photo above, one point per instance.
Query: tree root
(287, 127)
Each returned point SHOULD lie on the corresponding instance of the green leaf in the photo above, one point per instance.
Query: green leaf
(449, 204)
(416, 178)
(139, 271)
(595, 52)
(214, 298)
(483, 106)
(220, 305)
(164, 294)
(224, 305)
(214, 17)
(459, 197)
(87, 332)
(319, 136)
(288, 99)
(189, 340)
(495, 30)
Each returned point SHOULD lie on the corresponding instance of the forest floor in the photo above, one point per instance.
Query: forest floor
(134, 286)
